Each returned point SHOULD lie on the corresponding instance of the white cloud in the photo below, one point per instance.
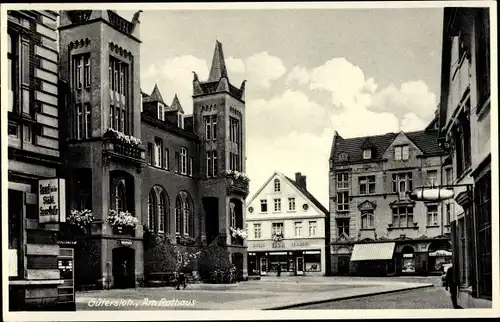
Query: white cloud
(298, 75)
(175, 76)
(292, 111)
(295, 152)
(411, 122)
(263, 68)
(235, 65)
(412, 97)
(344, 81)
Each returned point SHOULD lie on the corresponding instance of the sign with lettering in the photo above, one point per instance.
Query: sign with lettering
(125, 242)
(270, 245)
(52, 200)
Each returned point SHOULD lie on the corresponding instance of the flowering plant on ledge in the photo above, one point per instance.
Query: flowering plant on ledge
(128, 139)
(237, 175)
(277, 236)
(122, 219)
(237, 232)
(81, 218)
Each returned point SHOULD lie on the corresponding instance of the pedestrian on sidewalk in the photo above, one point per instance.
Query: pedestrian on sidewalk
(279, 270)
(181, 280)
(453, 286)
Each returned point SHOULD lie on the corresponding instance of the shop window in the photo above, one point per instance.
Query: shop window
(483, 217)
(312, 260)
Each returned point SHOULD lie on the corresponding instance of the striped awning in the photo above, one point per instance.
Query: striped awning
(374, 251)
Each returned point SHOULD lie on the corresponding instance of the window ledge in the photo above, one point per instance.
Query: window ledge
(402, 228)
(367, 229)
(432, 226)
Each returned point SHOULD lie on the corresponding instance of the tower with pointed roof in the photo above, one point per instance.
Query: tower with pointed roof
(219, 121)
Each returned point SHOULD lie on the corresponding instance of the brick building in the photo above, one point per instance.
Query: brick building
(464, 121)
(375, 228)
(33, 153)
(132, 153)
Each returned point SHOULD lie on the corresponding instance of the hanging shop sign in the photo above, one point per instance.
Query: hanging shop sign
(431, 194)
(52, 200)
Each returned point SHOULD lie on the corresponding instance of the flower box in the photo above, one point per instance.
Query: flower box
(81, 219)
(122, 222)
(277, 237)
(237, 175)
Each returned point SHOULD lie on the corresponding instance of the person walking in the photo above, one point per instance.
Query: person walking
(279, 270)
(181, 280)
(453, 286)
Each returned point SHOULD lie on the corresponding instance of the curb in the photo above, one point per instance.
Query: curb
(291, 306)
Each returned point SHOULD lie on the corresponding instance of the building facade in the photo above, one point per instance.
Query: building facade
(375, 228)
(286, 227)
(33, 154)
(133, 155)
(465, 132)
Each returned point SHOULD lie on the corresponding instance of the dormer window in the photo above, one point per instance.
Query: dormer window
(401, 152)
(161, 111)
(180, 121)
(367, 154)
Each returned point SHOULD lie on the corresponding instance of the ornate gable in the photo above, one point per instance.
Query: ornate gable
(367, 206)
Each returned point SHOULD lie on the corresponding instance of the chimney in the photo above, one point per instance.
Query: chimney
(301, 180)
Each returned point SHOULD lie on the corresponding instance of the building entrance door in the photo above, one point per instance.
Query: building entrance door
(124, 267)
(343, 265)
(300, 265)
(263, 266)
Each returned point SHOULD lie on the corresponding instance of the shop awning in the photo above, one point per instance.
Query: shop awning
(440, 253)
(375, 251)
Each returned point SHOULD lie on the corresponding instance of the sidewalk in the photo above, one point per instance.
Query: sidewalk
(267, 294)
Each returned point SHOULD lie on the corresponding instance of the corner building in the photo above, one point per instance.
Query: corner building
(375, 228)
(177, 182)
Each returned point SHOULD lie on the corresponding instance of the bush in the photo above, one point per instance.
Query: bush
(213, 258)
(159, 254)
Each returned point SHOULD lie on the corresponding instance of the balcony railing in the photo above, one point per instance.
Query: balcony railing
(127, 150)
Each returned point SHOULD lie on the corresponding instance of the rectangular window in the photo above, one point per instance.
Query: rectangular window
(343, 201)
(263, 205)
(432, 177)
(277, 204)
(405, 153)
(210, 169)
(151, 153)
(215, 163)
(177, 162)
(208, 127)
(88, 121)
(27, 135)
(448, 176)
(366, 185)
(312, 228)
(432, 215)
(257, 231)
(26, 101)
(367, 220)
(277, 228)
(483, 64)
(86, 71)
(161, 111)
(25, 65)
(484, 234)
(166, 164)
(343, 226)
(367, 154)
(402, 182)
(342, 181)
(397, 153)
(402, 216)
(80, 121)
(234, 130)
(214, 127)
(12, 56)
(183, 160)
(77, 71)
(122, 70)
(291, 204)
(158, 155)
(447, 217)
(190, 167)
(298, 228)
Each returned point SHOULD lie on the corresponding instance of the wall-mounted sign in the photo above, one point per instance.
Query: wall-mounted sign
(260, 245)
(52, 200)
(431, 194)
(125, 242)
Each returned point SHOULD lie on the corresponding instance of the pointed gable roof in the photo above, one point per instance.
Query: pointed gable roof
(218, 69)
(308, 195)
(156, 95)
(175, 106)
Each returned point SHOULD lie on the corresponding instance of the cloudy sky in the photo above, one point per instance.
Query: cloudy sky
(310, 72)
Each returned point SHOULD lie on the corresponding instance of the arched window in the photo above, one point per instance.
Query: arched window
(162, 211)
(120, 197)
(367, 220)
(232, 214)
(178, 215)
(186, 217)
(277, 185)
(152, 210)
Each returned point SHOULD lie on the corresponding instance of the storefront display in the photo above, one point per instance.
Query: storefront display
(312, 261)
